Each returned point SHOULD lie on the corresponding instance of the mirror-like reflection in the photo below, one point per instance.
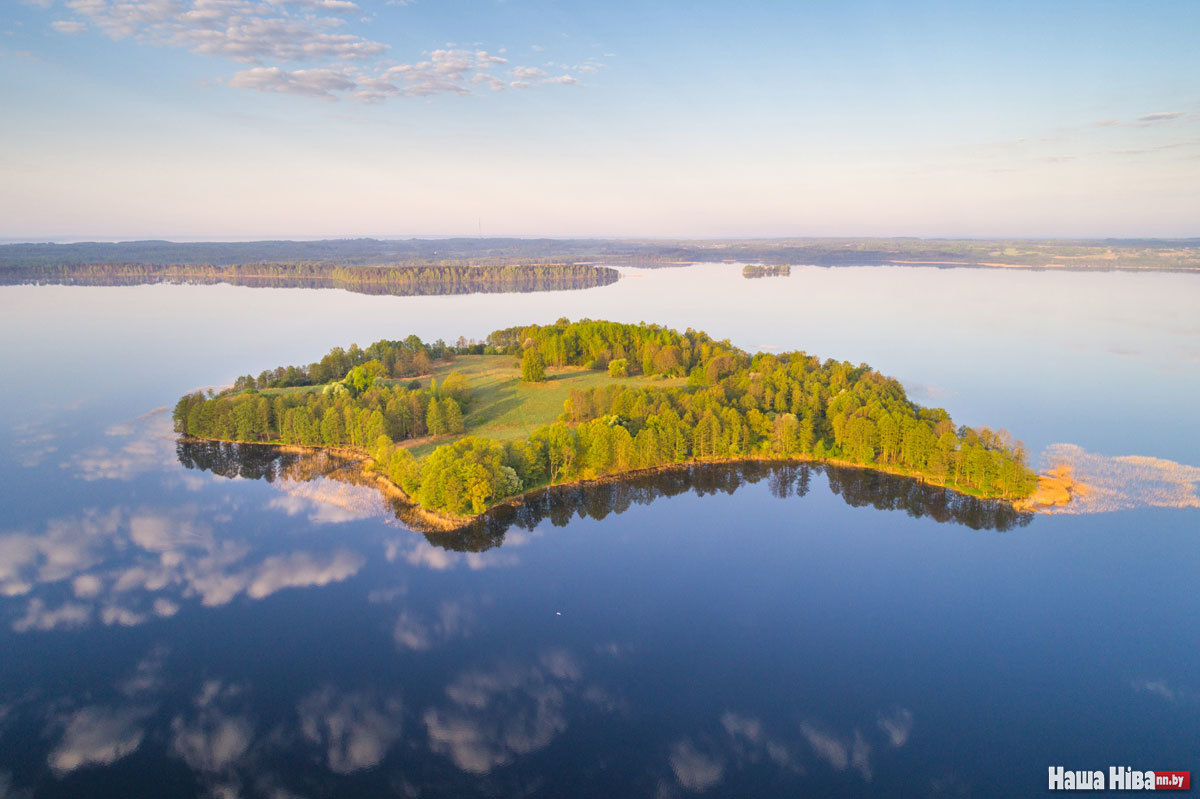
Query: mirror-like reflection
(583, 280)
(596, 500)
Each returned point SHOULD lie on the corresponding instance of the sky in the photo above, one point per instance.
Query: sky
(250, 119)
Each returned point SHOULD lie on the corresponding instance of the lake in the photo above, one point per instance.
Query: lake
(207, 621)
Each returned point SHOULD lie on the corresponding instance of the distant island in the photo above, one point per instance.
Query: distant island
(458, 429)
(766, 270)
(402, 279)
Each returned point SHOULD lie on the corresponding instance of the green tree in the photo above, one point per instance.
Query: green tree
(533, 366)
(618, 368)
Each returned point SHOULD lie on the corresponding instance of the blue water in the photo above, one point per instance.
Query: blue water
(167, 630)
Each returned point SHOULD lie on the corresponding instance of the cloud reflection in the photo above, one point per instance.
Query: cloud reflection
(355, 730)
(128, 567)
(497, 715)
(695, 770)
(97, 735)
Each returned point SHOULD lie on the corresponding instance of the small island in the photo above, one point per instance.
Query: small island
(458, 429)
(766, 270)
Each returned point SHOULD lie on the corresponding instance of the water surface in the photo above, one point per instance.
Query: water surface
(204, 621)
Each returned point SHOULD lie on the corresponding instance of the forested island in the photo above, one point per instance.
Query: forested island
(461, 428)
(766, 270)
(403, 279)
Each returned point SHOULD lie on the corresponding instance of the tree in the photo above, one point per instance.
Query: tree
(435, 418)
(452, 415)
(618, 368)
(533, 366)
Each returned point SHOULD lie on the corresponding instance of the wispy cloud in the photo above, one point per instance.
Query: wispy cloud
(68, 26)
(266, 33)
(1161, 116)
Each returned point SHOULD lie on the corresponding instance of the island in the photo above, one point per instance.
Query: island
(455, 430)
(402, 279)
(766, 270)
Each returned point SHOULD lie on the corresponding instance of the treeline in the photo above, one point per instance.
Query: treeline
(649, 350)
(409, 357)
(341, 415)
(731, 406)
(439, 278)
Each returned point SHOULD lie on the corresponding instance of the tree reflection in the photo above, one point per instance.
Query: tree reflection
(560, 504)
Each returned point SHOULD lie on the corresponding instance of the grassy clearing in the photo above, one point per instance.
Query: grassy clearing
(504, 408)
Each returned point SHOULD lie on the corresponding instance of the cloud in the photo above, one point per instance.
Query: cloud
(328, 501)
(97, 735)
(1158, 688)
(497, 715)
(837, 752)
(336, 6)
(355, 730)
(1161, 116)
(238, 29)
(302, 569)
(425, 554)
(39, 617)
(694, 770)
(527, 73)
(565, 80)
(307, 82)
(151, 447)
(418, 634)
(68, 26)
(897, 726)
(265, 33)
(213, 742)
(825, 746)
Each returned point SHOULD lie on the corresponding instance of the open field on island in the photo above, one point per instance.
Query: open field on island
(502, 407)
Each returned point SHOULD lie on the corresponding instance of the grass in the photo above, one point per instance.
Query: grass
(504, 408)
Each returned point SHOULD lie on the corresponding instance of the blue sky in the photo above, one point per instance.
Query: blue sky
(242, 119)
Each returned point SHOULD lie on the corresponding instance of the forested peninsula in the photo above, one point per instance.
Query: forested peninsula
(451, 277)
(461, 428)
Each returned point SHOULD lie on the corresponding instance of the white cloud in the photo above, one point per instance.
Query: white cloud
(301, 569)
(425, 554)
(527, 73)
(565, 80)
(213, 742)
(97, 735)
(259, 32)
(39, 617)
(237, 29)
(355, 730)
(337, 6)
(497, 715)
(695, 770)
(839, 753)
(307, 82)
(897, 726)
(827, 747)
(68, 26)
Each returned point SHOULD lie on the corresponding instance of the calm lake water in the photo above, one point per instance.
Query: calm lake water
(179, 621)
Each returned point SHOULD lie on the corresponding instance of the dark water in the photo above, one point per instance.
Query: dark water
(199, 620)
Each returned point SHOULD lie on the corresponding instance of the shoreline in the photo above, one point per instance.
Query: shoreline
(1054, 491)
